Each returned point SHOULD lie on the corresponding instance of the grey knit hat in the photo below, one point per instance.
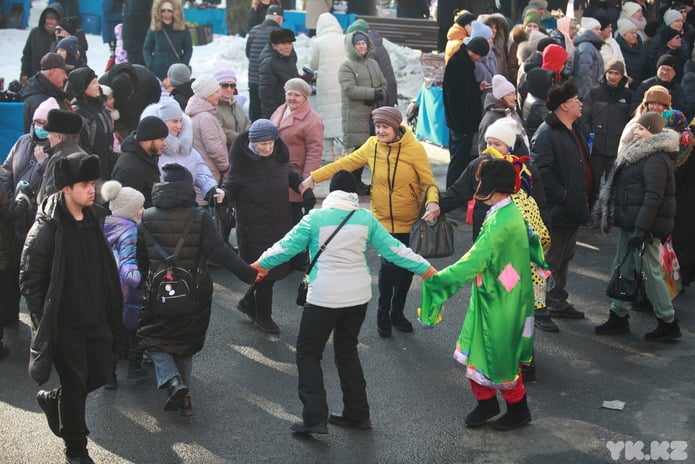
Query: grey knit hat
(178, 74)
(123, 201)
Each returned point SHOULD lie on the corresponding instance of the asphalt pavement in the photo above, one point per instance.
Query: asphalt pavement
(244, 389)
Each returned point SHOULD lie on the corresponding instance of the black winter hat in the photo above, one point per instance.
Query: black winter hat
(559, 94)
(667, 60)
(63, 122)
(464, 18)
(282, 35)
(151, 128)
(544, 43)
(70, 24)
(79, 79)
(174, 172)
(78, 167)
(479, 46)
(495, 175)
(603, 19)
(668, 33)
(343, 180)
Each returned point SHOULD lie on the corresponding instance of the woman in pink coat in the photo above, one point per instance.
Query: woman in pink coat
(301, 129)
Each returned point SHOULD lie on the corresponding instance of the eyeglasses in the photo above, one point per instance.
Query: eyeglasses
(166, 10)
(228, 86)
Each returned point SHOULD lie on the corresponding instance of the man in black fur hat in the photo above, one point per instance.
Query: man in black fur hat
(560, 153)
(70, 281)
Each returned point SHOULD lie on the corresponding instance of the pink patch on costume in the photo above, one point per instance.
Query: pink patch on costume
(479, 280)
(509, 277)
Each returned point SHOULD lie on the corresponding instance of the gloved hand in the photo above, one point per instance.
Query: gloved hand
(638, 238)
(379, 94)
(309, 200)
(24, 194)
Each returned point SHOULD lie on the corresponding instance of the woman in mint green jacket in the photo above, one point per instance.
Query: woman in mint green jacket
(340, 286)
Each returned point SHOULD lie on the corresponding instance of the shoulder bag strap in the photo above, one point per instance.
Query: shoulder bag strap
(160, 249)
(323, 246)
(173, 49)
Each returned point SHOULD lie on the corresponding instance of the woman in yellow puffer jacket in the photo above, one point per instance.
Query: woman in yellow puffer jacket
(400, 174)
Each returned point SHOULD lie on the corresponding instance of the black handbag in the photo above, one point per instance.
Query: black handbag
(304, 283)
(434, 240)
(622, 287)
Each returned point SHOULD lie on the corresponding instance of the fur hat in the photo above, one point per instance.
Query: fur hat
(588, 23)
(41, 112)
(298, 85)
(464, 17)
(479, 46)
(559, 94)
(625, 26)
(169, 109)
(204, 86)
(263, 130)
(225, 76)
(667, 60)
(494, 175)
(652, 121)
(174, 172)
(630, 8)
(504, 130)
(615, 64)
(123, 201)
(538, 4)
(53, 61)
(343, 180)
(657, 94)
(178, 74)
(387, 115)
(74, 168)
(63, 122)
(79, 79)
(151, 128)
(671, 16)
(501, 86)
(282, 35)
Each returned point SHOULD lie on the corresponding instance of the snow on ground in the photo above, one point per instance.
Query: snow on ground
(223, 51)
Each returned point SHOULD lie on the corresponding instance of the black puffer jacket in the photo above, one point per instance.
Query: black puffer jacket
(636, 65)
(174, 203)
(258, 186)
(96, 136)
(10, 211)
(136, 169)
(641, 192)
(258, 38)
(37, 90)
(273, 71)
(606, 111)
(39, 42)
(555, 153)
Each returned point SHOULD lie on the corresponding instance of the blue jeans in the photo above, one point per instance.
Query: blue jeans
(654, 285)
(167, 366)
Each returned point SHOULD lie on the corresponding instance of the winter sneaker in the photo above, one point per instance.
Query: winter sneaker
(186, 408)
(486, 410)
(48, 400)
(664, 332)
(177, 391)
(383, 323)
(247, 309)
(517, 415)
(342, 421)
(267, 324)
(399, 321)
(300, 427)
(545, 323)
(614, 325)
(566, 312)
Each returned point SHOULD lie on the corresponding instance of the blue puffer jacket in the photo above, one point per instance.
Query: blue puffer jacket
(121, 235)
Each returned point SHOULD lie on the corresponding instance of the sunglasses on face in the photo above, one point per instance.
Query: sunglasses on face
(228, 86)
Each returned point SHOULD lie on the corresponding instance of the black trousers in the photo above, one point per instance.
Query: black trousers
(460, 146)
(260, 297)
(394, 282)
(9, 296)
(315, 328)
(254, 102)
(563, 241)
(83, 362)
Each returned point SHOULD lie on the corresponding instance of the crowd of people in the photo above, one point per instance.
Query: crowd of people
(134, 180)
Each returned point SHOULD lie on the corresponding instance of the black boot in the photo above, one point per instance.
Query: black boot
(48, 400)
(664, 332)
(177, 392)
(383, 323)
(112, 383)
(543, 321)
(614, 325)
(135, 368)
(486, 410)
(517, 415)
(399, 321)
(528, 371)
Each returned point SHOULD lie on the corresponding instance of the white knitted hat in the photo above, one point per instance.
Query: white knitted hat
(205, 85)
(504, 129)
(501, 86)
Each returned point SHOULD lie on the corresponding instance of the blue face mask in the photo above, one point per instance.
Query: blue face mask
(40, 132)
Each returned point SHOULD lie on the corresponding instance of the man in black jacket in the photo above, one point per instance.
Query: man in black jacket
(278, 65)
(48, 82)
(605, 113)
(70, 281)
(258, 38)
(39, 40)
(560, 153)
(462, 104)
(137, 166)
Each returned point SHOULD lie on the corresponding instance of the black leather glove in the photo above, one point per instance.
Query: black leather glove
(638, 238)
(379, 94)
(24, 193)
(309, 200)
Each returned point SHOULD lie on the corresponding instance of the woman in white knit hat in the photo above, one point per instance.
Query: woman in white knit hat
(500, 103)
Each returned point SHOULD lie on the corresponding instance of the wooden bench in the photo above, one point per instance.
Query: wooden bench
(420, 34)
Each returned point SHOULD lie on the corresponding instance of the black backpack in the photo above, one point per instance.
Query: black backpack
(171, 288)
